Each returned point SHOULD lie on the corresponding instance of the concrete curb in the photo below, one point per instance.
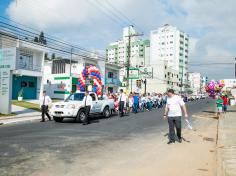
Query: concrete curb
(226, 145)
(219, 161)
(16, 117)
(19, 119)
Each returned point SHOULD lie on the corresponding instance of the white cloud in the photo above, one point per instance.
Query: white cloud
(210, 24)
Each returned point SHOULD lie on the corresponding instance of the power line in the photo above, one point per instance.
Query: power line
(47, 36)
(33, 44)
(50, 10)
(29, 34)
(115, 17)
(123, 15)
(54, 48)
(111, 12)
(93, 3)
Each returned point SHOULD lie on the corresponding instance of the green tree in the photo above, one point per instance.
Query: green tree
(53, 57)
(42, 38)
(36, 39)
(46, 57)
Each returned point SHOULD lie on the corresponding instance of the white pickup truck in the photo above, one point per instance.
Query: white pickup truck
(73, 107)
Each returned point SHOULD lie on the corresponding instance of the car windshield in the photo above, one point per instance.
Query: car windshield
(75, 97)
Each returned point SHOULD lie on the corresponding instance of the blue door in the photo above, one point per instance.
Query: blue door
(27, 83)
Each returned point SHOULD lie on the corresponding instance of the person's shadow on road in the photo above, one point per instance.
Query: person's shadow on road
(176, 138)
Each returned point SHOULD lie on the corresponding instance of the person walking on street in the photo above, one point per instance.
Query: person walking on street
(87, 101)
(45, 101)
(159, 101)
(164, 99)
(219, 105)
(122, 102)
(136, 102)
(225, 103)
(131, 103)
(173, 112)
(149, 102)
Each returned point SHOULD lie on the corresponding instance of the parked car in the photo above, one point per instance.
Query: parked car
(73, 107)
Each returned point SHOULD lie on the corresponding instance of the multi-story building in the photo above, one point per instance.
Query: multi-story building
(27, 65)
(195, 82)
(59, 83)
(169, 45)
(21, 73)
(117, 52)
(112, 81)
(61, 77)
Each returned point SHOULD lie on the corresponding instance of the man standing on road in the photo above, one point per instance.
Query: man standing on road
(225, 103)
(45, 101)
(122, 102)
(219, 105)
(136, 102)
(87, 101)
(173, 112)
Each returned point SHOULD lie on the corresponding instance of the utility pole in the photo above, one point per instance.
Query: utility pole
(181, 90)
(129, 54)
(71, 53)
(235, 67)
(145, 86)
(71, 59)
(128, 60)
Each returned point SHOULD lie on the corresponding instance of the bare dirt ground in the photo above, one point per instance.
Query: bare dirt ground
(146, 155)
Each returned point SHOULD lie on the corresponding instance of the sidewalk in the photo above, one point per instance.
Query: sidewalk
(22, 114)
(226, 153)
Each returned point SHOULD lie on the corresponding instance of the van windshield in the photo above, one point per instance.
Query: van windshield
(75, 97)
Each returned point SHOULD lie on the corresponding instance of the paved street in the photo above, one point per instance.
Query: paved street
(57, 148)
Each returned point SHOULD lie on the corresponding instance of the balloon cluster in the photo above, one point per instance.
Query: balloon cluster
(214, 88)
(95, 74)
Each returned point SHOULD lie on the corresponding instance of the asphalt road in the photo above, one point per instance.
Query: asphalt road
(27, 147)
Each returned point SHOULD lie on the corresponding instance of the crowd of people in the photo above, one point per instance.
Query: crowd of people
(135, 102)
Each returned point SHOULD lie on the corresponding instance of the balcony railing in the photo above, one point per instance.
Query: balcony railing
(113, 81)
(28, 66)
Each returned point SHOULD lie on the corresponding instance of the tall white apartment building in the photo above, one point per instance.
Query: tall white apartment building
(195, 82)
(117, 52)
(169, 50)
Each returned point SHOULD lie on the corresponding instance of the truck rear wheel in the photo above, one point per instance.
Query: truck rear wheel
(106, 112)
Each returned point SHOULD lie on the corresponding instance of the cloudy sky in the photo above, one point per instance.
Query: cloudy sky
(93, 24)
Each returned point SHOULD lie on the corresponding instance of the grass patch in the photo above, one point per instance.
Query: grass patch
(6, 115)
(56, 100)
(27, 105)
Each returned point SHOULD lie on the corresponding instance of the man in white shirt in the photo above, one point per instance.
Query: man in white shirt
(122, 102)
(45, 101)
(87, 101)
(173, 112)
